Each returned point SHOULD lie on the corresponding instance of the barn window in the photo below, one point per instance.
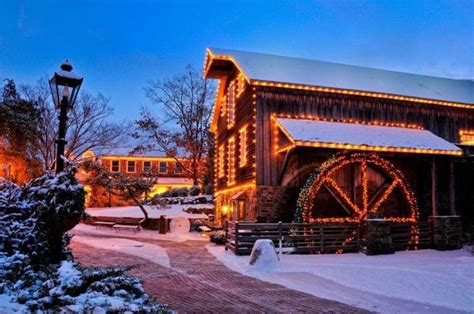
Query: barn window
(240, 84)
(163, 167)
(243, 146)
(223, 106)
(131, 166)
(115, 166)
(231, 105)
(467, 137)
(221, 161)
(231, 160)
(147, 166)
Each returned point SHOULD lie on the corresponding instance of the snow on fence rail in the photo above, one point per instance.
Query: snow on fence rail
(293, 237)
(313, 238)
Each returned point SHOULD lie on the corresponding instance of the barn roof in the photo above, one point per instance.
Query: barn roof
(279, 69)
(342, 135)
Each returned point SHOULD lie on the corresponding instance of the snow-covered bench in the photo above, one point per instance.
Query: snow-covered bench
(128, 224)
(204, 229)
(99, 224)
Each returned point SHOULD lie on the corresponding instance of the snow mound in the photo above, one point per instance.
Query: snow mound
(180, 225)
(264, 255)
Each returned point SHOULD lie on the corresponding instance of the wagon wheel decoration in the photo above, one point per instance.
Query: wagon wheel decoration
(357, 207)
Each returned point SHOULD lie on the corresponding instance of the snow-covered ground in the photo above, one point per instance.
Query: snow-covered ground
(151, 252)
(412, 281)
(82, 230)
(176, 210)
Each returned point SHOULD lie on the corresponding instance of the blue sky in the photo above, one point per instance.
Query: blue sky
(119, 45)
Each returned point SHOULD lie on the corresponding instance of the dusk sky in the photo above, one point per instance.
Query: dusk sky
(119, 45)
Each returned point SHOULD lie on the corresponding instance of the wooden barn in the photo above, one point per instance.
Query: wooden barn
(300, 140)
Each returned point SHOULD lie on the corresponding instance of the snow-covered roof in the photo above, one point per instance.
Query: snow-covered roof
(365, 137)
(272, 68)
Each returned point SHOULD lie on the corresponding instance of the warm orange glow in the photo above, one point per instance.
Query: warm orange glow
(238, 187)
(467, 137)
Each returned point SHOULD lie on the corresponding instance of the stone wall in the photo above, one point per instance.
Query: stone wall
(447, 232)
(274, 203)
(377, 237)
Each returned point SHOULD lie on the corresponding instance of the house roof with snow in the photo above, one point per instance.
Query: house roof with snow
(260, 68)
(327, 134)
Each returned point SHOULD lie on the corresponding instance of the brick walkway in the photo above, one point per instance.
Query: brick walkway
(199, 283)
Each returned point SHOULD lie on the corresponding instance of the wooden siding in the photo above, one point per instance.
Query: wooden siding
(445, 122)
(244, 117)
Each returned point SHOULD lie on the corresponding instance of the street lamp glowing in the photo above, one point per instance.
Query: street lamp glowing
(65, 84)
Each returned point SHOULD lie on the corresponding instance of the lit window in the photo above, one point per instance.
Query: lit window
(147, 166)
(467, 137)
(115, 166)
(223, 106)
(221, 161)
(231, 160)
(231, 105)
(130, 166)
(240, 84)
(163, 167)
(243, 147)
(178, 169)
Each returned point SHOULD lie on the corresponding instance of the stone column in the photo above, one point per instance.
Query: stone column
(377, 239)
(447, 232)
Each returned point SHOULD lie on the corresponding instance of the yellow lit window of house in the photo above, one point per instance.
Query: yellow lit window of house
(243, 146)
(231, 160)
(231, 105)
(467, 137)
(221, 161)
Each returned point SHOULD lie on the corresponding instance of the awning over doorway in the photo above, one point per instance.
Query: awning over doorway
(356, 136)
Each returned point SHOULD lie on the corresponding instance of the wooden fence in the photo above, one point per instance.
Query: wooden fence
(305, 238)
(301, 238)
(403, 236)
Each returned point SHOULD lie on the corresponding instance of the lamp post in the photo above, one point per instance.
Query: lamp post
(64, 86)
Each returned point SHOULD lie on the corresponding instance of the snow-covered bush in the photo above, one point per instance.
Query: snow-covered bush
(179, 192)
(218, 237)
(194, 190)
(67, 287)
(36, 267)
(34, 217)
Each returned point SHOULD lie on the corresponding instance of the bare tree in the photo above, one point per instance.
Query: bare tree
(124, 186)
(87, 125)
(185, 101)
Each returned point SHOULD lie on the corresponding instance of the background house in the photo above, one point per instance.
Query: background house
(404, 140)
(166, 173)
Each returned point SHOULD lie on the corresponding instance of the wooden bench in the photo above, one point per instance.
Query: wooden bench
(99, 224)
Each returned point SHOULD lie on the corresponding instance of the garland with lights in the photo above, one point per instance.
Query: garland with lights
(322, 175)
